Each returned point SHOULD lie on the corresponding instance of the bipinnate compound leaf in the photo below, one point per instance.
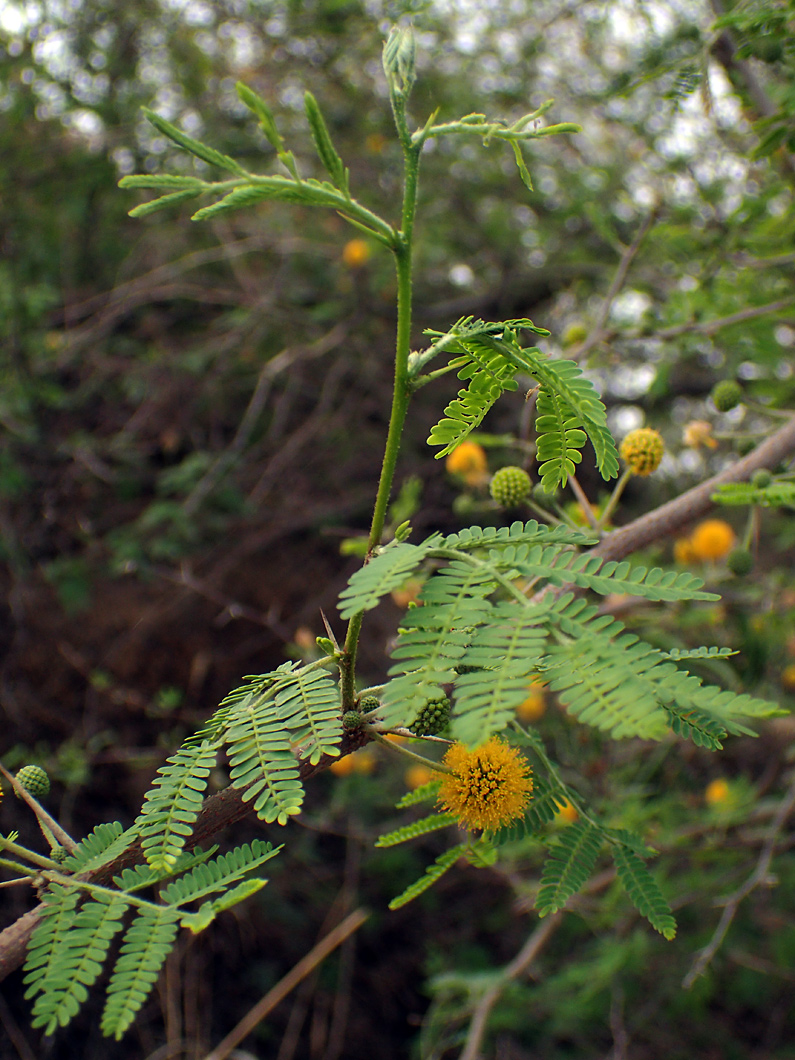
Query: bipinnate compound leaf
(643, 891)
(569, 865)
(432, 874)
(172, 804)
(146, 945)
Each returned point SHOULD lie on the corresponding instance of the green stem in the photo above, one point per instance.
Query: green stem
(401, 394)
(399, 749)
(615, 497)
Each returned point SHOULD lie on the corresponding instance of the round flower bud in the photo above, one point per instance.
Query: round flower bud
(34, 780)
(761, 478)
(642, 450)
(59, 854)
(740, 562)
(726, 395)
(351, 719)
(510, 486)
(368, 703)
(432, 718)
(574, 334)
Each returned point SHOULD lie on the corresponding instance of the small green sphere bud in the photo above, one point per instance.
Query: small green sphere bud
(433, 718)
(510, 486)
(740, 562)
(642, 450)
(761, 478)
(574, 334)
(368, 703)
(34, 780)
(59, 854)
(351, 719)
(726, 395)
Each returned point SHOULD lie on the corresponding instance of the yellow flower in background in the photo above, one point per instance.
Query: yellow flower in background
(359, 762)
(469, 461)
(712, 540)
(698, 433)
(717, 793)
(416, 776)
(535, 706)
(356, 253)
(566, 814)
(788, 677)
(683, 551)
(488, 787)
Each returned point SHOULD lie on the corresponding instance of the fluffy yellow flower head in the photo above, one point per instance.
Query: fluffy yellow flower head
(717, 793)
(712, 540)
(469, 461)
(642, 450)
(488, 787)
(355, 253)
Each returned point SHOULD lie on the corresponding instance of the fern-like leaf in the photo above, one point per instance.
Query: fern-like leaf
(172, 804)
(424, 793)
(434, 872)
(680, 654)
(518, 533)
(643, 891)
(262, 760)
(560, 439)
(410, 831)
(50, 937)
(309, 707)
(571, 861)
(507, 650)
(776, 495)
(76, 965)
(100, 847)
(454, 603)
(146, 945)
(385, 572)
(216, 875)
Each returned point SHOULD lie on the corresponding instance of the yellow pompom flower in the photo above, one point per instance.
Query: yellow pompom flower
(788, 677)
(356, 253)
(712, 540)
(534, 707)
(717, 793)
(697, 433)
(416, 776)
(642, 450)
(488, 787)
(567, 814)
(683, 551)
(469, 461)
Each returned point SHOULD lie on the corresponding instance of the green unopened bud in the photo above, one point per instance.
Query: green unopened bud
(400, 53)
(34, 780)
(510, 486)
(740, 562)
(432, 718)
(761, 478)
(726, 395)
(352, 719)
(369, 703)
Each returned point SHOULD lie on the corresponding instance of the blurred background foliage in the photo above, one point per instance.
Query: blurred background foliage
(192, 419)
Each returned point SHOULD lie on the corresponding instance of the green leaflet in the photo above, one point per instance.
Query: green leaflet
(569, 865)
(385, 572)
(507, 649)
(323, 145)
(560, 439)
(76, 964)
(643, 891)
(194, 147)
(776, 495)
(146, 945)
(219, 874)
(172, 804)
(432, 874)
(424, 793)
(262, 761)
(453, 604)
(308, 705)
(432, 823)
(100, 847)
(518, 533)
